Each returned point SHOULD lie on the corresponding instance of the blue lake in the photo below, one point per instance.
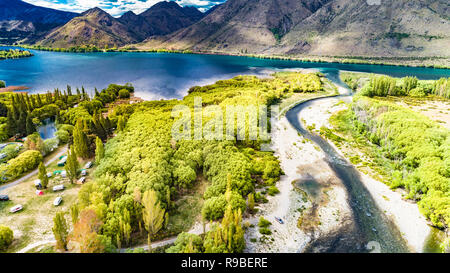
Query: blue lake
(161, 75)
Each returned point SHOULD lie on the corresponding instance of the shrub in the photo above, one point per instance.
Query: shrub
(417, 92)
(265, 231)
(6, 237)
(25, 162)
(264, 223)
(272, 191)
(124, 94)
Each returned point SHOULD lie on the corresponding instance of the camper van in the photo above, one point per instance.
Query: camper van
(57, 201)
(81, 180)
(88, 165)
(58, 188)
(16, 209)
(62, 161)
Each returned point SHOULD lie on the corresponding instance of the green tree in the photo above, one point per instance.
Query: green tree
(60, 231)
(72, 164)
(6, 237)
(99, 150)
(11, 123)
(3, 110)
(80, 140)
(125, 226)
(43, 175)
(121, 124)
(74, 213)
(251, 202)
(30, 128)
(152, 214)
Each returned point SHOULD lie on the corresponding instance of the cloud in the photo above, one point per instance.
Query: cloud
(116, 7)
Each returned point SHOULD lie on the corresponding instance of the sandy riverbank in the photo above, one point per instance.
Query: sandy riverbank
(405, 214)
(301, 160)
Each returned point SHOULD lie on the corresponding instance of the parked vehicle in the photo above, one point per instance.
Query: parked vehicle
(4, 198)
(63, 174)
(16, 209)
(57, 201)
(62, 161)
(81, 180)
(37, 184)
(58, 188)
(83, 172)
(49, 174)
(279, 220)
(88, 165)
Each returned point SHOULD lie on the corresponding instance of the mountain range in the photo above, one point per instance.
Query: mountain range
(274, 27)
(318, 27)
(97, 27)
(19, 20)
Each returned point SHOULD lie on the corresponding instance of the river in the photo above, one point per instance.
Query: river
(370, 222)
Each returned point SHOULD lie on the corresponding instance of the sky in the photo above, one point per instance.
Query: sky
(117, 7)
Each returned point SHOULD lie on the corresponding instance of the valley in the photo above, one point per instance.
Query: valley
(312, 126)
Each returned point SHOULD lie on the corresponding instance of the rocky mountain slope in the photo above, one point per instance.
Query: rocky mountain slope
(92, 27)
(96, 27)
(19, 20)
(319, 27)
(162, 18)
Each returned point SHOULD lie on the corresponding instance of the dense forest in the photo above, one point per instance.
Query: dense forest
(22, 113)
(144, 163)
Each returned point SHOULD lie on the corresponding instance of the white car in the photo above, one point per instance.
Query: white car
(16, 209)
(37, 183)
(82, 180)
(63, 174)
(57, 201)
(88, 165)
(58, 188)
(49, 174)
(83, 172)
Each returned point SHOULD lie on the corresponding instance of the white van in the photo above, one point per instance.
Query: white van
(58, 188)
(16, 209)
(57, 201)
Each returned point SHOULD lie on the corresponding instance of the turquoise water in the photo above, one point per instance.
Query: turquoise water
(159, 75)
(47, 129)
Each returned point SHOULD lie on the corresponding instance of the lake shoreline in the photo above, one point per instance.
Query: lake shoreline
(374, 60)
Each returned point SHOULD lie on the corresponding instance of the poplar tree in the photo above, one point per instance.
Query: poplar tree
(99, 151)
(120, 124)
(30, 128)
(11, 123)
(101, 132)
(43, 175)
(251, 202)
(21, 124)
(80, 140)
(72, 164)
(152, 214)
(60, 231)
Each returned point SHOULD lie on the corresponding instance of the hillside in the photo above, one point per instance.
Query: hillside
(20, 20)
(95, 27)
(162, 18)
(318, 27)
